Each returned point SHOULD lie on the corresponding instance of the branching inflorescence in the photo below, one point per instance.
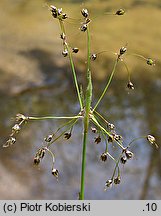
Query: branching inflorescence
(100, 126)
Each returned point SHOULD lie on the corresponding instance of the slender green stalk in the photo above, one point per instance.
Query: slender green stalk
(103, 133)
(137, 55)
(101, 117)
(104, 136)
(53, 117)
(68, 128)
(63, 125)
(111, 156)
(86, 117)
(82, 95)
(106, 150)
(107, 85)
(141, 137)
(72, 65)
(127, 70)
(81, 195)
(116, 166)
(52, 155)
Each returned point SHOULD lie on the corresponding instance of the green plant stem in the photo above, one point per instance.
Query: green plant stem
(86, 117)
(107, 85)
(82, 189)
(53, 117)
(72, 65)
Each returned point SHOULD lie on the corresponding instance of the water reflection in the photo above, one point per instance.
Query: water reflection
(133, 114)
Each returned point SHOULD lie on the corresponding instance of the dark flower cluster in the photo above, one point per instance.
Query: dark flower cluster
(58, 13)
(84, 25)
(40, 155)
(19, 121)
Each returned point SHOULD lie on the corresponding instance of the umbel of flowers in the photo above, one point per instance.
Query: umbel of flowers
(103, 130)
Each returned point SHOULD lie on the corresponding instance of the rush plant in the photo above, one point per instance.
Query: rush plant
(88, 114)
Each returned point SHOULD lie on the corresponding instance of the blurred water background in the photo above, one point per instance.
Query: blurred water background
(36, 80)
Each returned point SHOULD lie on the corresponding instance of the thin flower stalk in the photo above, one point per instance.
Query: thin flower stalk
(72, 65)
(129, 76)
(52, 155)
(105, 139)
(107, 85)
(53, 117)
(68, 128)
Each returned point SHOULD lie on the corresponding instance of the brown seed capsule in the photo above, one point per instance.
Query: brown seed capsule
(151, 139)
(55, 15)
(20, 118)
(65, 53)
(40, 153)
(67, 135)
(48, 138)
(111, 138)
(111, 126)
(150, 61)
(108, 183)
(53, 8)
(64, 16)
(128, 154)
(60, 10)
(123, 159)
(103, 156)
(97, 139)
(117, 180)
(123, 50)
(16, 128)
(62, 36)
(87, 20)
(55, 172)
(85, 13)
(83, 27)
(9, 142)
(94, 130)
(12, 140)
(120, 12)
(117, 137)
(36, 160)
(54, 11)
(93, 57)
(130, 85)
(75, 49)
